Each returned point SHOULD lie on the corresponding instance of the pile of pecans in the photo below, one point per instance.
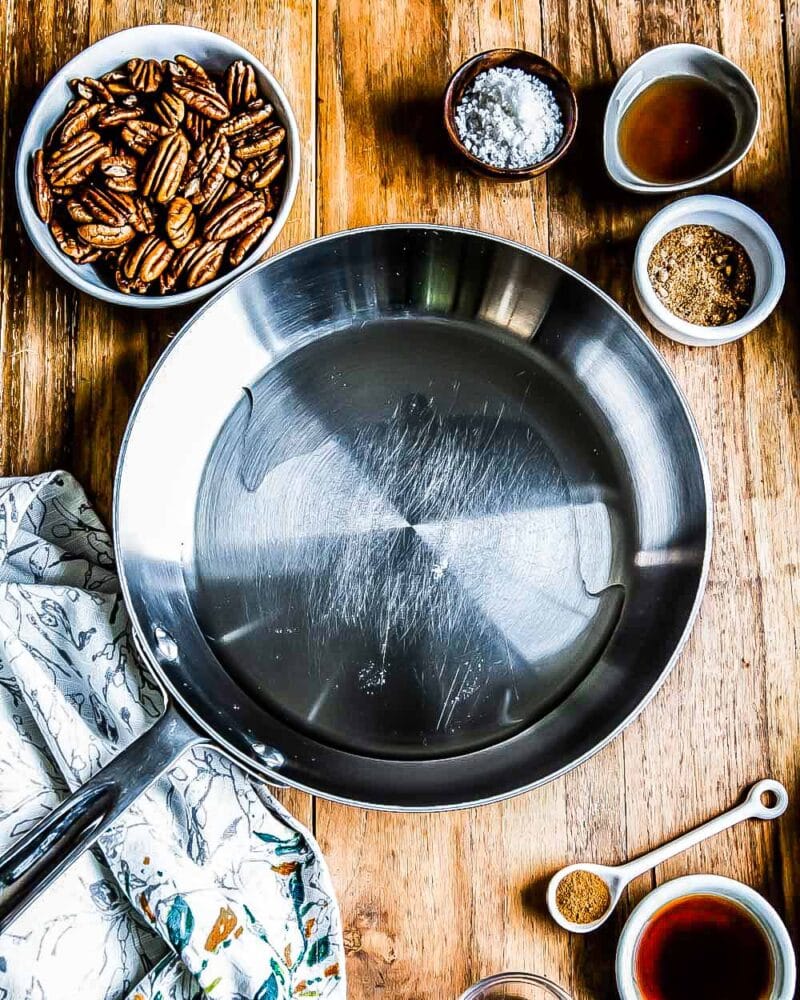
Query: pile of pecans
(162, 174)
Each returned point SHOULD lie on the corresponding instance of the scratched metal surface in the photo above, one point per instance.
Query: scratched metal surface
(431, 518)
(405, 547)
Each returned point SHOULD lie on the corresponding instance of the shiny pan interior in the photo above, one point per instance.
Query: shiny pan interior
(412, 517)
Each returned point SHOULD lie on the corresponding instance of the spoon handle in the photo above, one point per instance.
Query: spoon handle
(753, 807)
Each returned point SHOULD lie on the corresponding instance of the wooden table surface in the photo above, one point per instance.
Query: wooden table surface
(431, 903)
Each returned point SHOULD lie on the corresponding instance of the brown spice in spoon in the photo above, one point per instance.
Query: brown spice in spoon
(582, 897)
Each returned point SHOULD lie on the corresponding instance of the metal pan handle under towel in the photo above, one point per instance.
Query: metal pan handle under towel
(37, 859)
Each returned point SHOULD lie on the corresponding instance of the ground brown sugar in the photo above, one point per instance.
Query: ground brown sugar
(702, 276)
(582, 897)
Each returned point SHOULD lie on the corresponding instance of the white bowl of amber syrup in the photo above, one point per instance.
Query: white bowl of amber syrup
(734, 220)
(680, 116)
(705, 936)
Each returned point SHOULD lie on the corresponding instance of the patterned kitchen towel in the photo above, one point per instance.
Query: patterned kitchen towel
(207, 883)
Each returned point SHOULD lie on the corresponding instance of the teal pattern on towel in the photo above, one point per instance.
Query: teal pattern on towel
(207, 886)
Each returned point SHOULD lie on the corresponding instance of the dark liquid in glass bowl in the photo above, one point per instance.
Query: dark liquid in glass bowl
(679, 128)
(703, 947)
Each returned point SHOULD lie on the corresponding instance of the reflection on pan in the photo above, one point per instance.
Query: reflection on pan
(417, 559)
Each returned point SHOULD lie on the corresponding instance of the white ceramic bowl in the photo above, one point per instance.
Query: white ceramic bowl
(736, 220)
(774, 929)
(154, 41)
(680, 60)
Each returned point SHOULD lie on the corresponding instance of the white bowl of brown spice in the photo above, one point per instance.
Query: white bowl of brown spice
(707, 270)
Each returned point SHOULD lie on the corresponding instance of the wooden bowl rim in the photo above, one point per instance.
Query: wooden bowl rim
(467, 72)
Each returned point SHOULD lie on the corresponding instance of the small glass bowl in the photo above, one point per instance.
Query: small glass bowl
(514, 986)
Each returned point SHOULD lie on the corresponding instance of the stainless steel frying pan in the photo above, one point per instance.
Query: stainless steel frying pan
(409, 517)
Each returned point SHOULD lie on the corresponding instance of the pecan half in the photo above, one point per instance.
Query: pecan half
(207, 169)
(246, 120)
(76, 146)
(201, 97)
(234, 216)
(191, 67)
(143, 221)
(197, 127)
(113, 115)
(42, 195)
(140, 135)
(118, 83)
(146, 259)
(180, 223)
(78, 122)
(77, 212)
(172, 275)
(74, 161)
(260, 173)
(164, 171)
(233, 169)
(90, 89)
(204, 264)
(260, 142)
(240, 84)
(265, 195)
(222, 194)
(109, 207)
(243, 244)
(169, 109)
(123, 282)
(146, 75)
(74, 108)
(119, 172)
(98, 235)
(81, 253)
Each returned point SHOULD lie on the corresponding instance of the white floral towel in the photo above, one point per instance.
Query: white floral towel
(206, 884)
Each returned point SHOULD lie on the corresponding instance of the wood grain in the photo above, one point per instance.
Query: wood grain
(432, 903)
(38, 313)
(71, 366)
(727, 715)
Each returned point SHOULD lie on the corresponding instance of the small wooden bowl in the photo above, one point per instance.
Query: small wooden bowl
(530, 63)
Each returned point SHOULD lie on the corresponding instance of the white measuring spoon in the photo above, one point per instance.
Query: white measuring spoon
(616, 877)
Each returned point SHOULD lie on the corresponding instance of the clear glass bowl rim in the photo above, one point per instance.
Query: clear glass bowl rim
(512, 979)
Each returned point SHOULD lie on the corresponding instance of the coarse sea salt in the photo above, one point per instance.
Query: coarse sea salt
(509, 118)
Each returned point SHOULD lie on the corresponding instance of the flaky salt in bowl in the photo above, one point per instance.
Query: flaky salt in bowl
(509, 118)
(510, 114)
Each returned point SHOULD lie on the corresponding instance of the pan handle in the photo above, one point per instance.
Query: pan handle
(38, 858)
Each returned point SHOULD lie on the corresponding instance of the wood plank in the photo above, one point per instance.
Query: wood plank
(729, 714)
(71, 366)
(38, 312)
(432, 904)
(115, 348)
(381, 155)
(773, 442)
(681, 763)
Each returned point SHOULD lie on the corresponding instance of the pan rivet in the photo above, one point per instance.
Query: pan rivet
(270, 756)
(167, 646)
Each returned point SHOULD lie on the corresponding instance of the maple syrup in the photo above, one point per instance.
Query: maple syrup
(678, 129)
(703, 947)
